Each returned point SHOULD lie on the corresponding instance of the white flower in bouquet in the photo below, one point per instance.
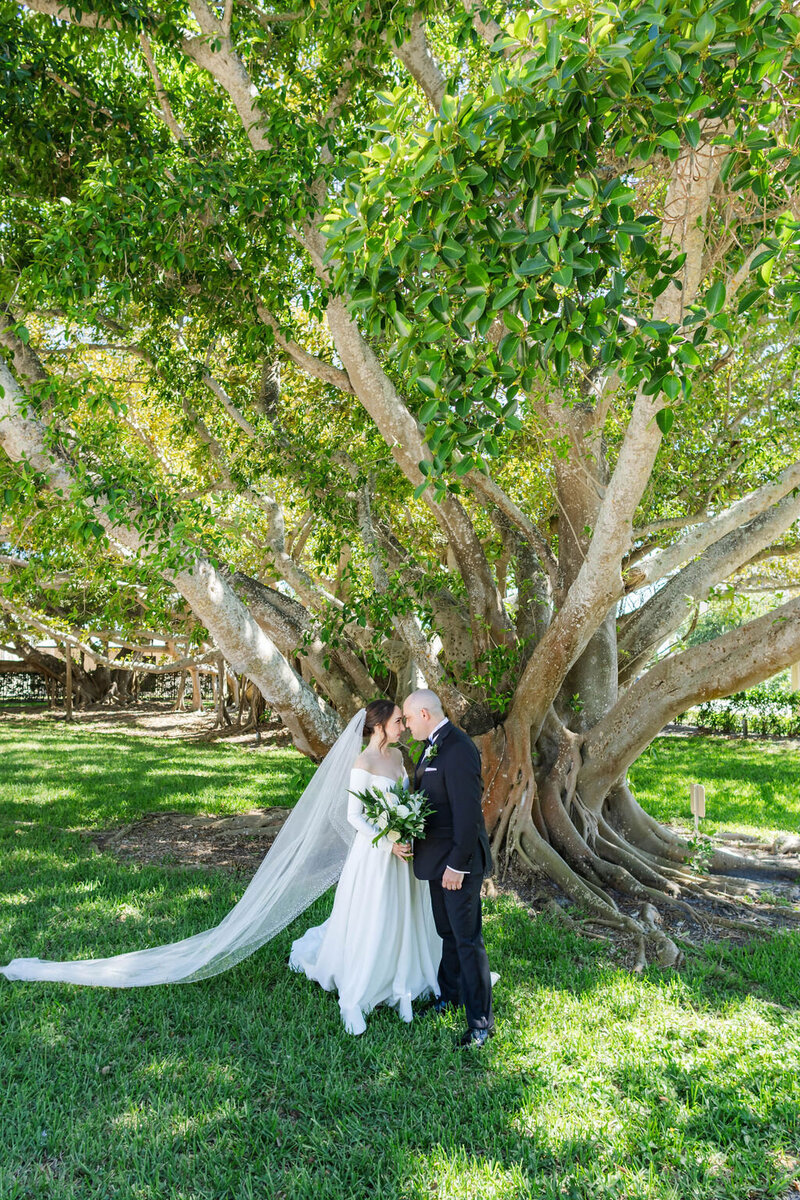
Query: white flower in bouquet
(397, 814)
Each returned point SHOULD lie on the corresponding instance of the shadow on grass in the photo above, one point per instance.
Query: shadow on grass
(86, 778)
(246, 1084)
(599, 1084)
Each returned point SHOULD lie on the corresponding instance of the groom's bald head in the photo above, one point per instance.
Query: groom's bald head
(425, 698)
(423, 712)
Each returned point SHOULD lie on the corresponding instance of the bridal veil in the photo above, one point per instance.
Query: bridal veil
(305, 859)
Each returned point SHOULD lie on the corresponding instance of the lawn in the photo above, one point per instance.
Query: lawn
(599, 1084)
(751, 786)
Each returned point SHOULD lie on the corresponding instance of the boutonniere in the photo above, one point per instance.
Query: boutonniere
(431, 751)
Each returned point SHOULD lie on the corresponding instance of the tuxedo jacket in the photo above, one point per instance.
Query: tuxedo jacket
(455, 833)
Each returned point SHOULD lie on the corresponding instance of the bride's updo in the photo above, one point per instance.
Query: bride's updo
(378, 712)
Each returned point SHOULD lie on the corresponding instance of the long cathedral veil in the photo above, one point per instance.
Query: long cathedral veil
(306, 857)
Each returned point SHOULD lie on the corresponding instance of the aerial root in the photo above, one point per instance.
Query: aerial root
(540, 855)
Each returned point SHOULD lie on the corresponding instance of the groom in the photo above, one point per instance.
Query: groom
(454, 857)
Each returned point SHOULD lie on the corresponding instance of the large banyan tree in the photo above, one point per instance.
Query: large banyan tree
(401, 341)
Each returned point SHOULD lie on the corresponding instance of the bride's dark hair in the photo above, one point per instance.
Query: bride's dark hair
(377, 713)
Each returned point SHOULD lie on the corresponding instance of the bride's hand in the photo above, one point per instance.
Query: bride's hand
(402, 850)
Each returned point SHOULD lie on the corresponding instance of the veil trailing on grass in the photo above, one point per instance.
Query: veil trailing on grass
(306, 857)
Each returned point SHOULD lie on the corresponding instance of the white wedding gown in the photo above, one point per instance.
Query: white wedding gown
(379, 945)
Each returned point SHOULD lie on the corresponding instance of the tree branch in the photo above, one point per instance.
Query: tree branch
(174, 126)
(414, 53)
(733, 662)
(69, 16)
(702, 536)
(27, 618)
(641, 631)
(209, 594)
(316, 367)
(405, 623)
(599, 584)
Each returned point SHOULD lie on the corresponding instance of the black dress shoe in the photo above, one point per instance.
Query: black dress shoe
(474, 1037)
(437, 1005)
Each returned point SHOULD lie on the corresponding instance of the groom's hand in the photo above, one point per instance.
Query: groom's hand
(452, 880)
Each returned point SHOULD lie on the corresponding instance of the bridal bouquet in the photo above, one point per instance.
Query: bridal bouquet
(400, 815)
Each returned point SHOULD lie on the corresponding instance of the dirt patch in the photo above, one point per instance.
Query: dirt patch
(237, 843)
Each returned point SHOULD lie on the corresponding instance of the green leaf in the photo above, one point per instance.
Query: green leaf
(426, 385)
(477, 274)
(508, 346)
(425, 162)
(669, 139)
(423, 300)
(505, 297)
(716, 297)
(749, 299)
(553, 48)
(428, 411)
(403, 327)
(533, 266)
(521, 25)
(705, 28)
(688, 355)
(665, 419)
(671, 386)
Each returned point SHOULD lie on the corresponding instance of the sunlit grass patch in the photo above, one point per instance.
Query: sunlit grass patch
(599, 1084)
(750, 786)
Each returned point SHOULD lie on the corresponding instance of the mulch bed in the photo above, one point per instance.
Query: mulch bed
(236, 843)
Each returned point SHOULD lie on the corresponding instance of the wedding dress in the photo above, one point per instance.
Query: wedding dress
(379, 945)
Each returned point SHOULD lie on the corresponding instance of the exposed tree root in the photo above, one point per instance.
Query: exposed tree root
(774, 868)
(538, 854)
(554, 909)
(597, 851)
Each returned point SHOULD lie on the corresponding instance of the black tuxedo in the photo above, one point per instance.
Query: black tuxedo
(455, 836)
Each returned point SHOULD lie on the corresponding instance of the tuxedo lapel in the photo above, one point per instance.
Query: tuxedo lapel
(441, 734)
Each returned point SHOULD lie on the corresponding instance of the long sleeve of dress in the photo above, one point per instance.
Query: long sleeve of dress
(360, 781)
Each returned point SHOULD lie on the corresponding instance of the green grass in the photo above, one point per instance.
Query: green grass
(599, 1084)
(84, 777)
(750, 786)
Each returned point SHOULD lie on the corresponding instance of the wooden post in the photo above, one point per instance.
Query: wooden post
(68, 686)
(796, 677)
(698, 803)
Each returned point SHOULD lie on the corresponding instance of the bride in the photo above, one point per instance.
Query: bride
(379, 944)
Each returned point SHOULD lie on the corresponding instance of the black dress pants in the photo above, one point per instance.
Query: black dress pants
(464, 970)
